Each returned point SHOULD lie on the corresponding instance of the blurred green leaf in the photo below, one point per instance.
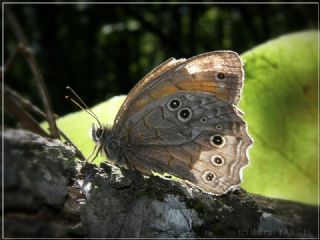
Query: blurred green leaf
(280, 105)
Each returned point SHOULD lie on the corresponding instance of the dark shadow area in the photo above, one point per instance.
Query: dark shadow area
(103, 50)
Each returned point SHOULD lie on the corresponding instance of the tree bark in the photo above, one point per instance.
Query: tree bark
(47, 193)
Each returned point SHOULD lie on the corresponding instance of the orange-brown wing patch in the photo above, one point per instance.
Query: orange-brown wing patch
(200, 73)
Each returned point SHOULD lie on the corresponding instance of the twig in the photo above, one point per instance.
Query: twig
(26, 121)
(23, 102)
(16, 105)
(11, 58)
(43, 92)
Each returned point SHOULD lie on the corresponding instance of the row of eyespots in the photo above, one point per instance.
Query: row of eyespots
(204, 120)
(218, 161)
(184, 114)
(218, 141)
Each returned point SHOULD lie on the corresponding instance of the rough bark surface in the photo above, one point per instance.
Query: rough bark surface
(48, 194)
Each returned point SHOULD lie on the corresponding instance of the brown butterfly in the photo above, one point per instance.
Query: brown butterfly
(182, 119)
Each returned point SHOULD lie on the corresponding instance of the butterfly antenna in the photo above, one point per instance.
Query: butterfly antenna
(83, 106)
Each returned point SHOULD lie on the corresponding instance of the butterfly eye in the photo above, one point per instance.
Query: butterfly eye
(184, 114)
(217, 160)
(217, 140)
(174, 104)
(94, 133)
(209, 177)
(98, 134)
(220, 76)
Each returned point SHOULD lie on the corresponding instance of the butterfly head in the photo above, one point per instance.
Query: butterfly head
(102, 136)
(105, 141)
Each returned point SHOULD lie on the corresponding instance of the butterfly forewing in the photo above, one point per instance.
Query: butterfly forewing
(218, 72)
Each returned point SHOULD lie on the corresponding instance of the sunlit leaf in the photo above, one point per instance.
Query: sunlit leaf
(280, 105)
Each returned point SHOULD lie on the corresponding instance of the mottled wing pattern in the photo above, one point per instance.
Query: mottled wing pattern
(200, 138)
(145, 83)
(218, 72)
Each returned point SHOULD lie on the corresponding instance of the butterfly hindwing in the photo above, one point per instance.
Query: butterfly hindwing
(192, 135)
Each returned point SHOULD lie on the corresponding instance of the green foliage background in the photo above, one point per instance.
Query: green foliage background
(280, 105)
(103, 50)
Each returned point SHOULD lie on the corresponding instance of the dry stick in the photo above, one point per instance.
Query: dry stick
(25, 119)
(19, 105)
(23, 102)
(43, 92)
(8, 63)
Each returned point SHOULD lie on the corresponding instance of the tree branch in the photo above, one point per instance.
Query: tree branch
(43, 92)
(18, 105)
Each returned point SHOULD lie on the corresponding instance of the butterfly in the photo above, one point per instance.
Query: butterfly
(182, 119)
